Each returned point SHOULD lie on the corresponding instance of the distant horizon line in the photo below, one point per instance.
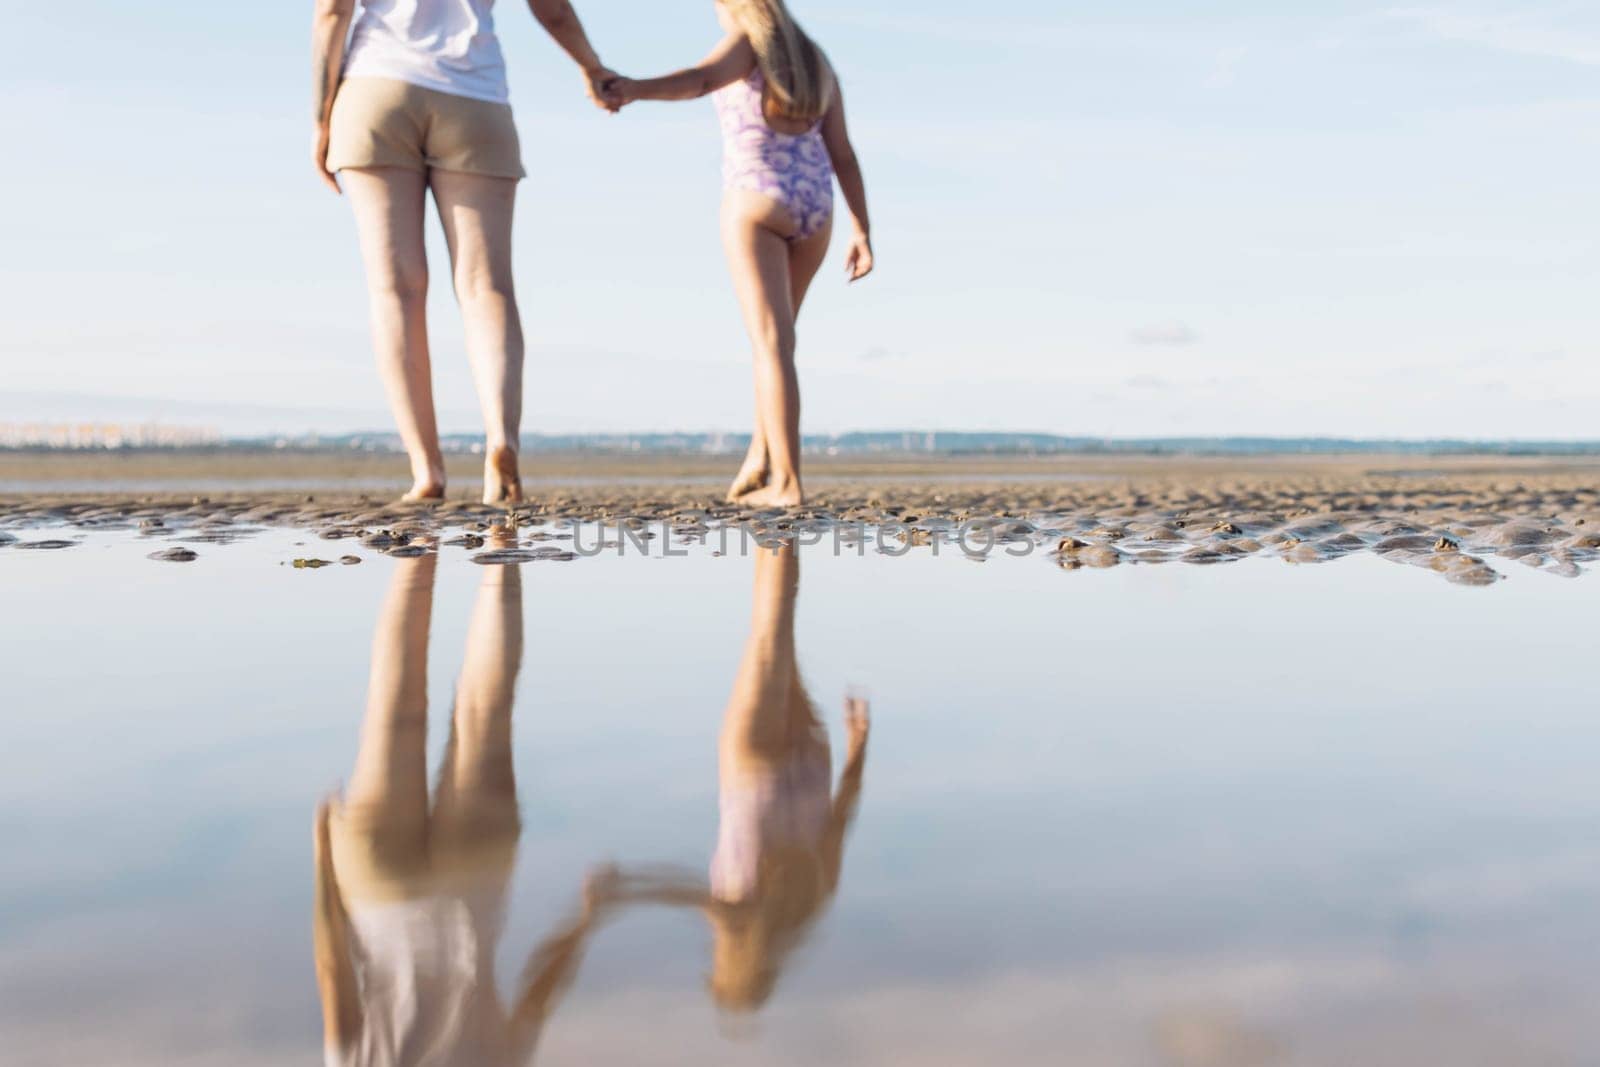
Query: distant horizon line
(855, 442)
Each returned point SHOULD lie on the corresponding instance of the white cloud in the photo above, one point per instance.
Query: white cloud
(1225, 68)
(1524, 33)
(1170, 334)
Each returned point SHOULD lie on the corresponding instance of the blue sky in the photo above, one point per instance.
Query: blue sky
(1263, 218)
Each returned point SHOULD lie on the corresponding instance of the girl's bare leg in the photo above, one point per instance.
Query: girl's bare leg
(756, 726)
(759, 259)
(388, 205)
(805, 259)
(476, 213)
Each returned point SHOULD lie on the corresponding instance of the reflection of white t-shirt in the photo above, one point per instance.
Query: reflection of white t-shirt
(425, 969)
(445, 45)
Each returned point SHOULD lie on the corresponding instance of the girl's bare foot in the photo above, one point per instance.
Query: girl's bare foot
(748, 480)
(502, 484)
(752, 472)
(774, 496)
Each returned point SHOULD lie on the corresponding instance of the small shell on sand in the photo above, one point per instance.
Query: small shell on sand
(175, 555)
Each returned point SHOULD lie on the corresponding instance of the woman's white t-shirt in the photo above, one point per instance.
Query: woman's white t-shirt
(445, 45)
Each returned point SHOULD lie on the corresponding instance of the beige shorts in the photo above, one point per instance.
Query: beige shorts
(382, 122)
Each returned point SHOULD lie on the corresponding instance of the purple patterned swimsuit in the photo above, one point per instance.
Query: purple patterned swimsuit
(793, 169)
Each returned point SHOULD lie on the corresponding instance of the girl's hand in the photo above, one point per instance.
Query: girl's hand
(602, 888)
(626, 91)
(858, 263)
(857, 720)
(319, 156)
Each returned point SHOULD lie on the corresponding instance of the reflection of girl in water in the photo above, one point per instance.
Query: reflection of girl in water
(410, 899)
(781, 840)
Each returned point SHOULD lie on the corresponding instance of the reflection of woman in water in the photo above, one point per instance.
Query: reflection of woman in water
(410, 899)
(781, 840)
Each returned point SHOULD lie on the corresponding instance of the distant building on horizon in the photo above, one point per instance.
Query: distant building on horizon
(104, 435)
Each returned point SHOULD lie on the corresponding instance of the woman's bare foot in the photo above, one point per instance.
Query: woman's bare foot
(423, 492)
(502, 484)
(427, 483)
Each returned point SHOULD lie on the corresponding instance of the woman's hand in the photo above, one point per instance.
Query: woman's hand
(858, 263)
(599, 83)
(319, 156)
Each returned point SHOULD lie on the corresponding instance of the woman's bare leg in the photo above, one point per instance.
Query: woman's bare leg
(476, 213)
(390, 777)
(805, 258)
(388, 205)
(477, 794)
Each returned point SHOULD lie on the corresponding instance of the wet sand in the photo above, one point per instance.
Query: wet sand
(1468, 518)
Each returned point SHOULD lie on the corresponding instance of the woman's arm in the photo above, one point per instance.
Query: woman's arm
(836, 135)
(731, 60)
(561, 22)
(546, 976)
(330, 22)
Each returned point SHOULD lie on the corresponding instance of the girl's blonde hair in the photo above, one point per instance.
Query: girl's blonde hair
(752, 945)
(799, 82)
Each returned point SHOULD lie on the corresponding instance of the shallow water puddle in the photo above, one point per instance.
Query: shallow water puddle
(859, 809)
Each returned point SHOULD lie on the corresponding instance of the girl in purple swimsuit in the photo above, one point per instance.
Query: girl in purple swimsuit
(784, 141)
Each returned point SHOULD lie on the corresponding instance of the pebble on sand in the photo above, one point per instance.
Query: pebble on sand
(175, 555)
(503, 557)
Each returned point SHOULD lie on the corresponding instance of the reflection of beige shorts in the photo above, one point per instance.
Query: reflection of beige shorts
(378, 857)
(382, 122)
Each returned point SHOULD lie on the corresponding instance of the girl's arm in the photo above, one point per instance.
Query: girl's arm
(848, 796)
(836, 135)
(330, 22)
(664, 886)
(731, 60)
(561, 22)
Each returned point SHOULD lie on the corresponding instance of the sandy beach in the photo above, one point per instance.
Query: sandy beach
(1464, 517)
